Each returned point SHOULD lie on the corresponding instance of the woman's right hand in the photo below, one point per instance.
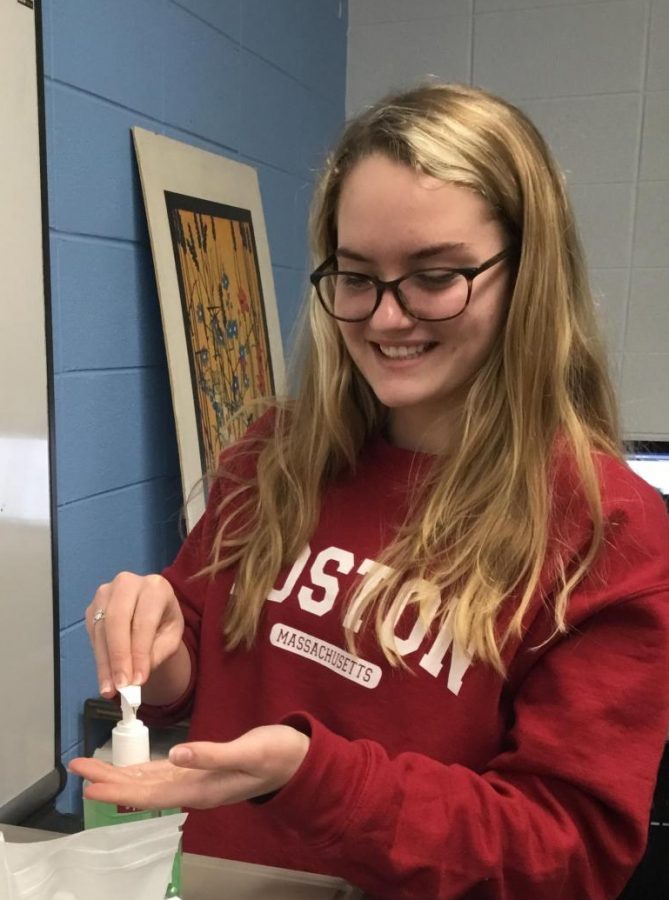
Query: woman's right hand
(140, 627)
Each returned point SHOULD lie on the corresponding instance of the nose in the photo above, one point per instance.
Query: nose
(390, 314)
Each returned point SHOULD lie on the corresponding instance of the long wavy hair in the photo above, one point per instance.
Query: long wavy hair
(480, 526)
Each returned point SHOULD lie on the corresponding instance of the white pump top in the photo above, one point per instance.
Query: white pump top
(130, 738)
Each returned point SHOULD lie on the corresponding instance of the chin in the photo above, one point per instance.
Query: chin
(395, 402)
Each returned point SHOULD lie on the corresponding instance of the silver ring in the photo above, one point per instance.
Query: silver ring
(99, 615)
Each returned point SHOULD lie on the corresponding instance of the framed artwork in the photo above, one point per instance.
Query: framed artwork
(217, 301)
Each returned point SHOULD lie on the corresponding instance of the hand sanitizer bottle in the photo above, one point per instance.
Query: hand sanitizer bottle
(129, 747)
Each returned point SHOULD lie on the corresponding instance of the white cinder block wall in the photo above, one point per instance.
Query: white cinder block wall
(594, 76)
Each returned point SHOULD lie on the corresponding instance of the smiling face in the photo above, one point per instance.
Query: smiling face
(391, 221)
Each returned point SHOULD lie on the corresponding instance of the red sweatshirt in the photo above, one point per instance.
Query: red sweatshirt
(444, 780)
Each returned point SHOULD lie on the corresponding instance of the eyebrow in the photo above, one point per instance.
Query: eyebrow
(423, 253)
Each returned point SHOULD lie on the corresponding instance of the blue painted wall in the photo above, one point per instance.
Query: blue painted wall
(262, 81)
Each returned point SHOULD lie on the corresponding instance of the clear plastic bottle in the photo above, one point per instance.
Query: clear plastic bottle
(129, 746)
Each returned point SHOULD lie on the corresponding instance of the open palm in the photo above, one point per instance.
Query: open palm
(201, 774)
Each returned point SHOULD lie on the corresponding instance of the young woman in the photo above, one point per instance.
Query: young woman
(423, 625)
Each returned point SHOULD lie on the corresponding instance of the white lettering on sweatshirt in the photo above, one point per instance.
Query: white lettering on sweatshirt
(325, 654)
(320, 595)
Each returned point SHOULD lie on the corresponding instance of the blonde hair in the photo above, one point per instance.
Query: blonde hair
(481, 526)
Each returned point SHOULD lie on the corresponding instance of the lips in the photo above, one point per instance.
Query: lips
(404, 351)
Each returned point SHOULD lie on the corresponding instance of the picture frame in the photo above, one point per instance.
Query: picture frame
(217, 300)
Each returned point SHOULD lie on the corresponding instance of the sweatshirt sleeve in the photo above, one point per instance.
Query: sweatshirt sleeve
(236, 466)
(190, 592)
(561, 812)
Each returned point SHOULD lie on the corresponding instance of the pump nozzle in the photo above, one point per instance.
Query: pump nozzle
(130, 738)
(131, 700)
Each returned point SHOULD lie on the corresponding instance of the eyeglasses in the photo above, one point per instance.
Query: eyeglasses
(431, 295)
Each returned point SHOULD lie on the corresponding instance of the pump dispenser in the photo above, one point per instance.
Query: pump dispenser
(129, 747)
(130, 738)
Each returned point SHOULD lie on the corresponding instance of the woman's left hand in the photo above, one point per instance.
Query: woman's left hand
(201, 774)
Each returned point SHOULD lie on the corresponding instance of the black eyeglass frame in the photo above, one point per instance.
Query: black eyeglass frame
(469, 273)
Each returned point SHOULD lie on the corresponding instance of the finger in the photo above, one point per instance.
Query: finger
(185, 788)
(138, 794)
(171, 628)
(118, 618)
(102, 662)
(161, 785)
(95, 770)
(156, 785)
(262, 749)
(251, 752)
(149, 612)
(248, 753)
(95, 629)
(205, 755)
(99, 601)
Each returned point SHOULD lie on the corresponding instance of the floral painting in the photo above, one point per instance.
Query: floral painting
(224, 320)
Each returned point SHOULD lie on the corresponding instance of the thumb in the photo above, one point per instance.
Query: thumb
(198, 755)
